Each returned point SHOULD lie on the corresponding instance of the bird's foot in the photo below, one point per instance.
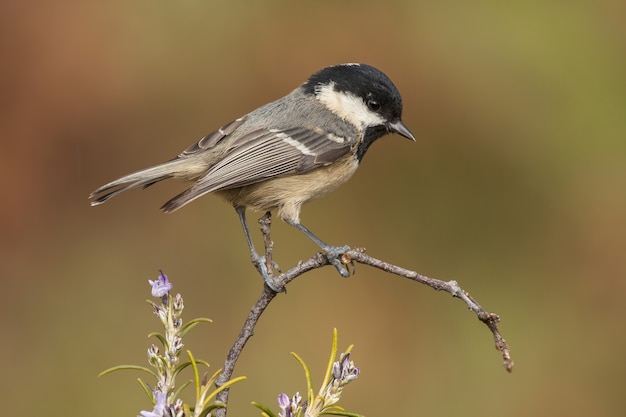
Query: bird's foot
(260, 263)
(334, 254)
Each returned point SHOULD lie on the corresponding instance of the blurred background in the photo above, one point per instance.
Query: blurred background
(516, 188)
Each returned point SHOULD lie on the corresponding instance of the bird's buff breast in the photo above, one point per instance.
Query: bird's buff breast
(288, 194)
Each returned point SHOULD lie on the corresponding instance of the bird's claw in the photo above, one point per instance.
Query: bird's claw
(261, 265)
(334, 254)
(275, 266)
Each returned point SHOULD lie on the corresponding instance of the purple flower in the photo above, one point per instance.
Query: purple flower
(284, 402)
(161, 286)
(159, 407)
(344, 370)
(289, 407)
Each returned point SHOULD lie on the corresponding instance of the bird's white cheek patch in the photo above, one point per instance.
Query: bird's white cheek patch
(348, 106)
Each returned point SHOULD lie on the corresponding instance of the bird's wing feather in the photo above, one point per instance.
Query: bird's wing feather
(268, 153)
(263, 154)
(213, 138)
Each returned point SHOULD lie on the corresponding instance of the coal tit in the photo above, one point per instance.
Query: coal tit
(285, 153)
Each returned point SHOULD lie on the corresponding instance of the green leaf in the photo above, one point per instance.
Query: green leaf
(201, 362)
(180, 389)
(131, 367)
(147, 389)
(196, 376)
(180, 367)
(191, 324)
(341, 413)
(160, 337)
(307, 375)
(184, 365)
(266, 412)
(331, 361)
(210, 408)
(223, 387)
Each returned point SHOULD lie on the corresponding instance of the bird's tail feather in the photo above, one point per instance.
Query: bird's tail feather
(143, 178)
(184, 198)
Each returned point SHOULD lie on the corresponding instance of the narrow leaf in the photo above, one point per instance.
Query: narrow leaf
(210, 408)
(223, 387)
(160, 337)
(331, 361)
(196, 377)
(180, 389)
(191, 324)
(183, 365)
(342, 413)
(131, 367)
(147, 390)
(307, 375)
(265, 412)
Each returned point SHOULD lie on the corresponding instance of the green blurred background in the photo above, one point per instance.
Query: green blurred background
(516, 188)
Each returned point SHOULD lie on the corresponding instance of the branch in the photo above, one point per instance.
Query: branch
(319, 260)
(491, 320)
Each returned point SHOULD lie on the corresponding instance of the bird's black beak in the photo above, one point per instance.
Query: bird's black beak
(399, 128)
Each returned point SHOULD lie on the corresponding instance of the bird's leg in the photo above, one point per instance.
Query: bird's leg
(333, 253)
(257, 260)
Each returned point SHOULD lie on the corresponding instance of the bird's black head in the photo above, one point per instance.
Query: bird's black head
(362, 95)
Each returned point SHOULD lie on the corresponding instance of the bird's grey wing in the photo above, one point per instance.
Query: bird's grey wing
(213, 138)
(264, 154)
(274, 153)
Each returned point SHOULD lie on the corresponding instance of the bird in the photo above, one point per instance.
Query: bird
(285, 153)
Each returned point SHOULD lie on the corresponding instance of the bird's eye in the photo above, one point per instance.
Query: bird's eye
(372, 104)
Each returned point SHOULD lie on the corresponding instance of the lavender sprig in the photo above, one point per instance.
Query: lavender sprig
(166, 366)
(339, 373)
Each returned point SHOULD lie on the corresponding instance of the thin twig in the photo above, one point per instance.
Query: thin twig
(491, 320)
(319, 260)
(266, 225)
(233, 354)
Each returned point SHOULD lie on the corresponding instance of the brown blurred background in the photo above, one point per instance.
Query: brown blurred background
(516, 188)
